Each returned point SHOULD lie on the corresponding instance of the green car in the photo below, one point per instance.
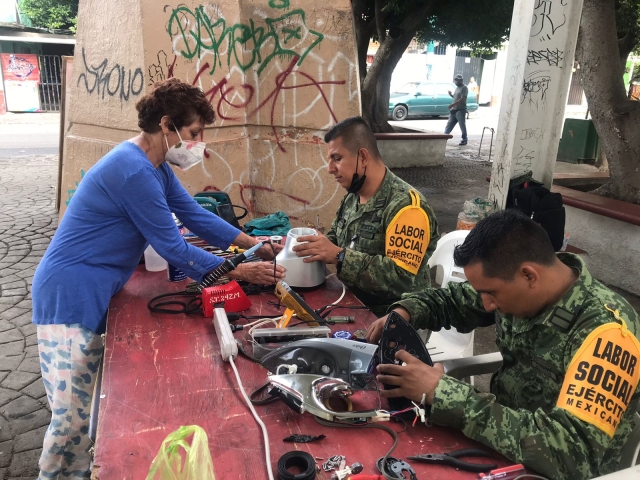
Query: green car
(425, 98)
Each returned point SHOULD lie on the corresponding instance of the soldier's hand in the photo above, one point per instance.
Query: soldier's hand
(317, 248)
(412, 379)
(374, 331)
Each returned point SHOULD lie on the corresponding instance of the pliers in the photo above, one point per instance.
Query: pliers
(451, 459)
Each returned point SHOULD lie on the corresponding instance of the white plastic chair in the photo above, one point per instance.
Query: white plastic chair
(448, 344)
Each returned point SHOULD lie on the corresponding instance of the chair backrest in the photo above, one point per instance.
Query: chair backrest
(442, 258)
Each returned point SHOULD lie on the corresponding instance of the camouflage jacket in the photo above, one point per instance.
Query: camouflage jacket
(373, 277)
(520, 417)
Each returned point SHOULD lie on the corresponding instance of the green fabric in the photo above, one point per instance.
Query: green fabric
(519, 417)
(274, 224)
(372, 276)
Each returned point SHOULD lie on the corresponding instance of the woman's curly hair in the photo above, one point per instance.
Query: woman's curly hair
(181, 102)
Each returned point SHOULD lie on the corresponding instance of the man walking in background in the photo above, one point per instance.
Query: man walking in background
(458, 109)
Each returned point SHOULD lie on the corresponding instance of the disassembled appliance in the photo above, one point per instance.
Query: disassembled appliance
(300, 274)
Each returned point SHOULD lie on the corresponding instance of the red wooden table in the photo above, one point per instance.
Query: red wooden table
(163, 371)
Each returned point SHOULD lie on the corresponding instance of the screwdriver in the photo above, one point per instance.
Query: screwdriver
(506, 473)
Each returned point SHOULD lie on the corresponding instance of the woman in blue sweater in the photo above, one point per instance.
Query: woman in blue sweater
(123, 204)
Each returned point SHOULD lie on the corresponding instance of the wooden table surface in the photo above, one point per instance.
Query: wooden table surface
(164, 371)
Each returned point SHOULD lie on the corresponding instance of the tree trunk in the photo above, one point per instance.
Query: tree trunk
(375, 88)
(617, 120)
(364, 31)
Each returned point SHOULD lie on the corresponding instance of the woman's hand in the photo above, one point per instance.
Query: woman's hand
(266, 253)
(260, 273)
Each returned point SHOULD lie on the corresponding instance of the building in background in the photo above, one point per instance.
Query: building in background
(30, 77)
(439, 63)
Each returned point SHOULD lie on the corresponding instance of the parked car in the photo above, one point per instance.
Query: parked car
(425, 98)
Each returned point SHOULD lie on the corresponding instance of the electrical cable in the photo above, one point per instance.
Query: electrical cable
(370, 425)
(194, 305)
(326, 310)
(259, 421)
(344, 291)
(303, 460)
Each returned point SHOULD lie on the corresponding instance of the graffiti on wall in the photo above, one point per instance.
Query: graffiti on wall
(248, 69)
(542, 69)
(278, 68)
(110, 79)
(194, 32)
(72, 191)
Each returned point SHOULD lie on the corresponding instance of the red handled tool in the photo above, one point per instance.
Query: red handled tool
(506, 473)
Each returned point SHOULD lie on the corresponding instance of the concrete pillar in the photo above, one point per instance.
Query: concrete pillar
(536, 84)
(278, 73)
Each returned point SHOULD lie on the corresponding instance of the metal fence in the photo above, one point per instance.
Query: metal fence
(50, 82)
(575, 87)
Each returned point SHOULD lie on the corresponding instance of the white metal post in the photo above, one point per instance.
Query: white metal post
(540, 57)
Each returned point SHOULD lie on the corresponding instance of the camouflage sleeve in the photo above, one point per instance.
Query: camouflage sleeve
(331, 234)
(375, 273)
(458, 305)
(379, 273)
(552, 440)
(556, 444)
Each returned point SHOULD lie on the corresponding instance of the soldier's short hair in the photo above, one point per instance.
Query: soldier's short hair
(502, 242)
(355, 134)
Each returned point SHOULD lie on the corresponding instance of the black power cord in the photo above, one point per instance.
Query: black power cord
(193, 305)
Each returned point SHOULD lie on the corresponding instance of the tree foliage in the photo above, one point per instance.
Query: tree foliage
(628, 27)
(51, 14)
(479, 24)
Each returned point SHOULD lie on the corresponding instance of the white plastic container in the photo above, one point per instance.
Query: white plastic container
(154, 262)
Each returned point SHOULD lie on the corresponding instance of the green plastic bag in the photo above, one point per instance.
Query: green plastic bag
(197, 465)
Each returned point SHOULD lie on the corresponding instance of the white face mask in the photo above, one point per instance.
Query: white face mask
(185, 155)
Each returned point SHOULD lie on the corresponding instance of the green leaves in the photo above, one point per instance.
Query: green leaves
(52, 14)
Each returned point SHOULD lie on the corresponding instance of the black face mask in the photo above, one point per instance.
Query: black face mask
(357, 181)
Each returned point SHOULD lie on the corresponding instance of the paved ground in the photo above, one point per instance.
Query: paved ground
(29, 134)
(27, 223)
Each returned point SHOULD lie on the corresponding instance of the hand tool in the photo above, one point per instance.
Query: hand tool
(295, 304)
(505, 473)
(451, 459)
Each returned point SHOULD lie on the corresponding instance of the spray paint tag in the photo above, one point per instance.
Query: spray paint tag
(408, 236)
(602, 377)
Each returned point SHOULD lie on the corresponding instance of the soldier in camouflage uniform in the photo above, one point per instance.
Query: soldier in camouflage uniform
(376, 257)
(563, 401)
